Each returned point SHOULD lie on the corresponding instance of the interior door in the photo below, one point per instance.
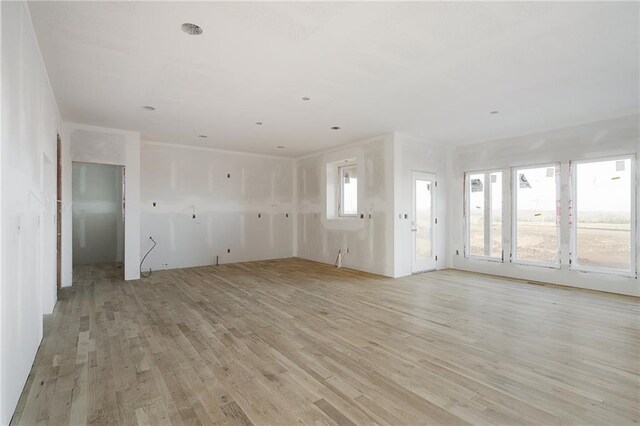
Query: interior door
(423, 222)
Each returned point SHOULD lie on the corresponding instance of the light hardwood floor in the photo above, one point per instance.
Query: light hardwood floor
(293, 341)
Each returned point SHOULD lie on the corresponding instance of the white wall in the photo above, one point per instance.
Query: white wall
(594, 140)
(29, 122)
(369, 239)
(182, 180)
(411, 154)
(91, 144)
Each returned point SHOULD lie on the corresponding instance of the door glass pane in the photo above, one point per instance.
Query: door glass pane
(536, 226)
(603, 214)
(423, 219)
(476, 214)
(496, 214)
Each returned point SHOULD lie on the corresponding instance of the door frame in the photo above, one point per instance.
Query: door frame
(58, 212)
(415, 267)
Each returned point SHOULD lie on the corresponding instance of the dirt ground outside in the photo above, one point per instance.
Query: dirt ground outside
(599, 245)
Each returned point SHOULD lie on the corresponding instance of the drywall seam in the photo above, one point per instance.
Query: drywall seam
(206, 148)
(345, 146)
(627, 113)
(367, 236)
(243, 206)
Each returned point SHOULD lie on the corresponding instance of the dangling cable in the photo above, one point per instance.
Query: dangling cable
(145, 256)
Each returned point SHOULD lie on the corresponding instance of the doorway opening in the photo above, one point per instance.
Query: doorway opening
(423, 222)
(98, 220)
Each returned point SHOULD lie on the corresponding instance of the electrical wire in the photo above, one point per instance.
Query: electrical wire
(145, 256)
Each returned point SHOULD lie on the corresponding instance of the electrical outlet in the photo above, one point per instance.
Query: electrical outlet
(228, 250)
(457, 253)
(193, 216)
(286, 215)
(154, 204)
(259, 215)
(228, 175)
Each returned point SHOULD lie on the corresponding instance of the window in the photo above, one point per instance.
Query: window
(348, 205)
(484, 214)
(603, 198)
(536, 236)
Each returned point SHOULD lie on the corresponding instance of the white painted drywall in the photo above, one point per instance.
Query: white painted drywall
(411, 154)
(594, 140)
(98, 222)
(29, 122)
(184, 181)
(369, 239)
(91, 144)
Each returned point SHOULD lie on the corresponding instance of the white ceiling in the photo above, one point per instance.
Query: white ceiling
(434, 70)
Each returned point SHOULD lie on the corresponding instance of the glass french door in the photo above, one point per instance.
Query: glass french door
(423, 222)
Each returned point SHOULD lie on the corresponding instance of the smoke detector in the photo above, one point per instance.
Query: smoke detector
(191, 29)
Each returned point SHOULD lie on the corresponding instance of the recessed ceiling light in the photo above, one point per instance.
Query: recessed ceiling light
(202, 136)
(306, 98)
(191, 29)
(335, 128)
(281, 147)
(494, 112)
(148, 108)
(259, 123)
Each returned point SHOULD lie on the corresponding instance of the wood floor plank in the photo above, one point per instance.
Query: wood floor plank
(293, 341)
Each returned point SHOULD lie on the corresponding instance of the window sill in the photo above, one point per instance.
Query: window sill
(603, 271)
(537, 264)
(485, 258)
(341, 218)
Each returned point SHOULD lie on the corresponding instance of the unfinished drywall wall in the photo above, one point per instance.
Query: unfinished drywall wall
(91, 144)
(594, 140)
(412, 154)
(202, 205)
(98, 220)
(369, 235)
(29, 122)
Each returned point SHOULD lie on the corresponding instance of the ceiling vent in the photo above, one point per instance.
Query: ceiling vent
(191, 29)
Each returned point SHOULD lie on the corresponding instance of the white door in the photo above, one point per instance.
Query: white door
(423, 222)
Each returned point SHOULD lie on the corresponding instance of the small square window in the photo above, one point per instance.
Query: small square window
(348, 203)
